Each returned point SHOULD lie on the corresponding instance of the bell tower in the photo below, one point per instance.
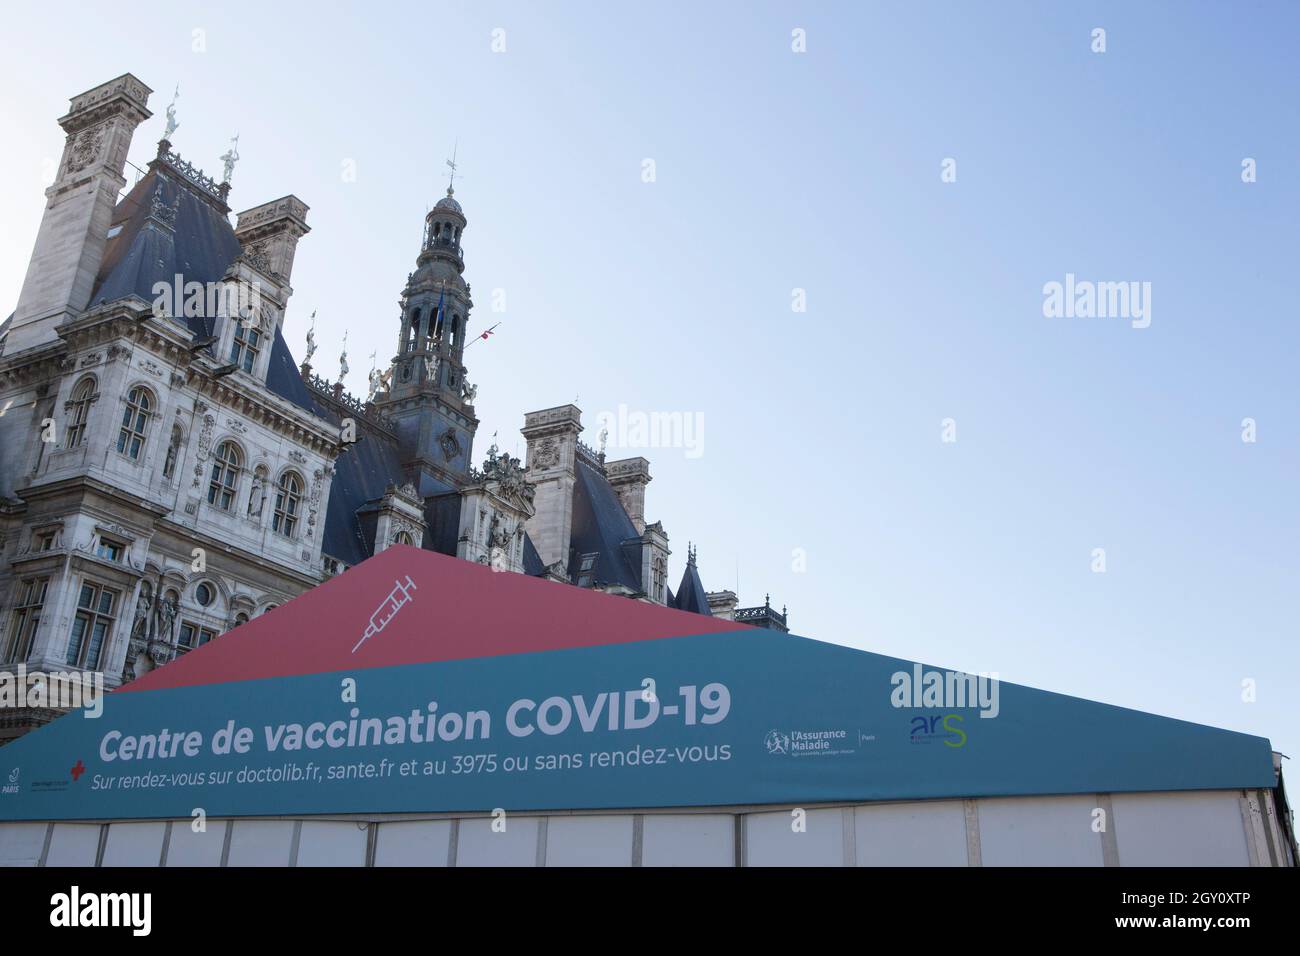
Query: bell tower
(428, 398)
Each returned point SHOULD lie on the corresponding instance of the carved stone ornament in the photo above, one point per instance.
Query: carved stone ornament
(205, 437)
(449, 444)
(85, 148)
(510, 477)
(547, 454)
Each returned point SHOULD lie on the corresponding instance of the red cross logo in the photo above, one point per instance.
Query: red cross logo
(78, 770)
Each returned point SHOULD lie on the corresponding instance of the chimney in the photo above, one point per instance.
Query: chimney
(629, 476)
(270, 232)
(268, 238)
(552, 436)
(74, 230)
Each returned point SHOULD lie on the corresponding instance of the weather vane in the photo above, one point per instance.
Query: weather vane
(451, 182)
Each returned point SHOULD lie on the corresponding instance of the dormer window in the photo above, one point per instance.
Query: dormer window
(584, 569)
(243, 350)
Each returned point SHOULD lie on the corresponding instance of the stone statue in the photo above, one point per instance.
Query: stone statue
(375, 378)
(165, 618)
(343, 359)
(311, 340)
(434, 365)
(258, 498)
(140, 627)
(498, 535)
(172, 125)
(229, 158)
(468, 392)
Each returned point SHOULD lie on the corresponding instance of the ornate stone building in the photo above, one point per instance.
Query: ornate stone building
(167, 471)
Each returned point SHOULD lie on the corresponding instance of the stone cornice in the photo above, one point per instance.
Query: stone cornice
(189, 534)
(123, 95)
(83, 483)
(131, 320)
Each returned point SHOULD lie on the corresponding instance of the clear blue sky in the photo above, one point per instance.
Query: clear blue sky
(820, 171)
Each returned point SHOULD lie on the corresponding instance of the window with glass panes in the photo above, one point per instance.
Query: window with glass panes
(93, 626)
(225, 476)
(29, 598)
(245, 346)
(135, 420)
(288, 498)
(109, 549)
(192, 636)
(79, 411)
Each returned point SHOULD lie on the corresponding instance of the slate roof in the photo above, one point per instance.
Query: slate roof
(691, 595)
(533, 565)
(600, 527)
(199, 246)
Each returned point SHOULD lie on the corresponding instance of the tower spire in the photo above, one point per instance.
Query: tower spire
(451, 181)
(428, 398)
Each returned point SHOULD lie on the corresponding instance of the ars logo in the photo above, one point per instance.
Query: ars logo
(777, 742)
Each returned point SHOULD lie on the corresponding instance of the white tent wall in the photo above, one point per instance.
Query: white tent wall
(1194, 828)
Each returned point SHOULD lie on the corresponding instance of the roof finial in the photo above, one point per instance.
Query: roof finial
(172, 125)
(375, 379)
(311, 339)
(451, 182)
(229, 158)
(343, 358)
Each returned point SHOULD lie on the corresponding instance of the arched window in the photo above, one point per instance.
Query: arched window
(245, 346)
(288, 499)
(135, 423)
(403, 537)
(79, 411)
(173, 451)
(413, 334)
(225, 475)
